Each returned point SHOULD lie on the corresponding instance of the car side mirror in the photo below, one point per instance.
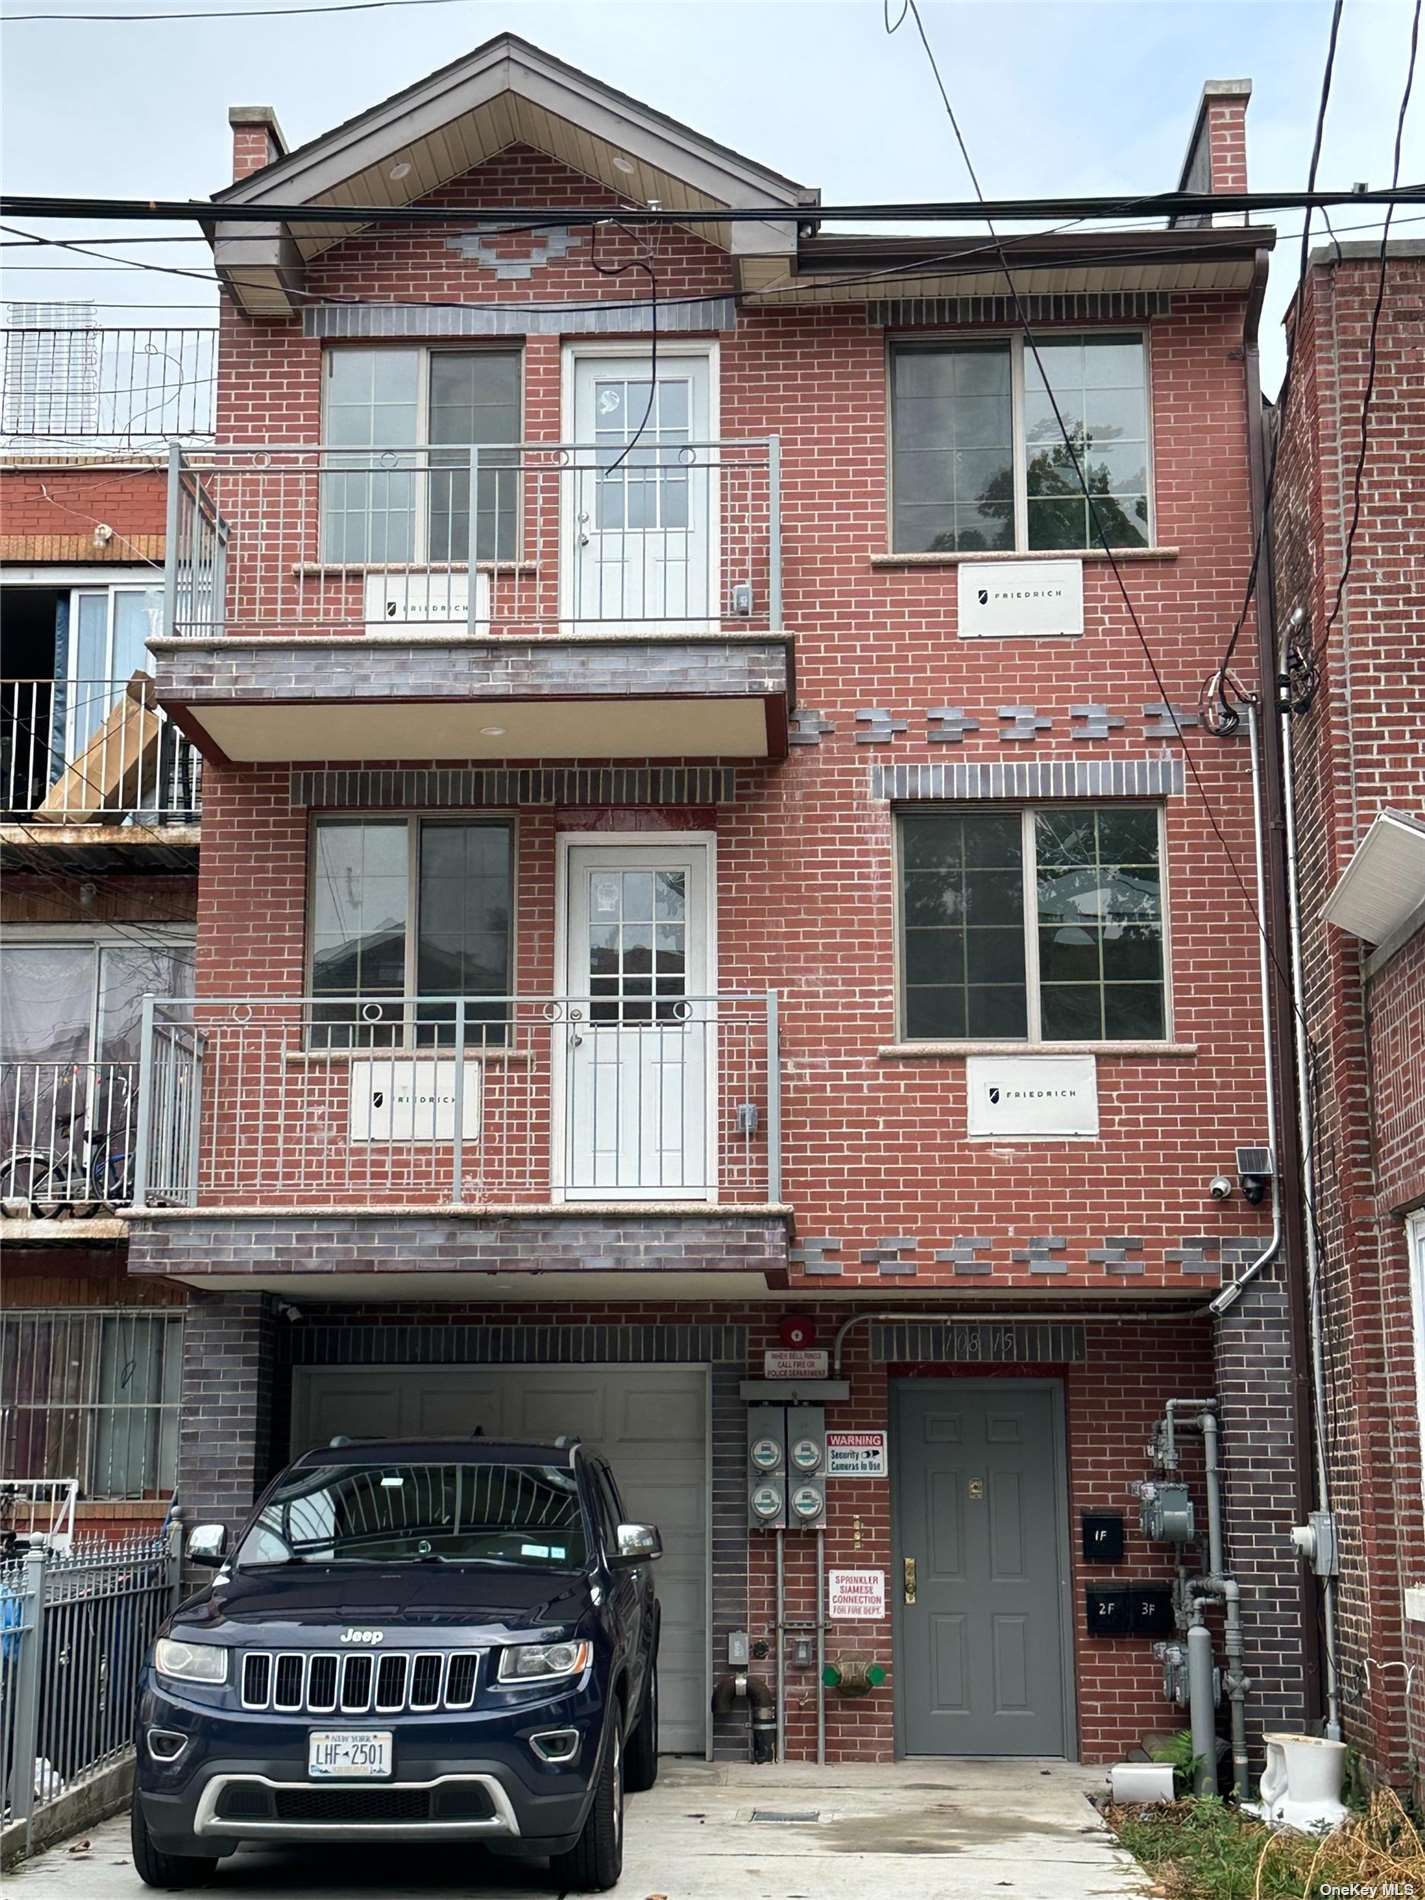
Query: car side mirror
(638, 1544)
(207, 1545)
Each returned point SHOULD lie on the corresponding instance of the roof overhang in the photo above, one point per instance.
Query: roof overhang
(1384, 883)
(277, 699)
(507, 92)
(857, 270)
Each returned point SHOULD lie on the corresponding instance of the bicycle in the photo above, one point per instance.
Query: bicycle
(46, 1178)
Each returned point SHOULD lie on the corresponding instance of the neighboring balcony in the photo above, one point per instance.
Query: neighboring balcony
(67, 1139)
(87, 755)
(419, 1134)
(539, 601)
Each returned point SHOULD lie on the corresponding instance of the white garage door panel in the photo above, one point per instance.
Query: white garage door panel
(650, 1422)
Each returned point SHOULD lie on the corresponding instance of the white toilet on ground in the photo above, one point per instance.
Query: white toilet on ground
(1301, 1785)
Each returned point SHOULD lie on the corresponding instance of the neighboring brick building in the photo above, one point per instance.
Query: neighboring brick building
(99, 803)
(1360, 797)
(761, 889)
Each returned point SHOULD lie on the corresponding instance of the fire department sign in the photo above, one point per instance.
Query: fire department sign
(855, 1596)
(855, 1454)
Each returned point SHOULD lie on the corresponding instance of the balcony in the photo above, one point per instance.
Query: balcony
(541, 601)
(81, 758)
(69, 385)
(306, 1138)
(67, 1146)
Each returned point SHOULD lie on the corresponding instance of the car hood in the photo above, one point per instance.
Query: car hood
(313, 1604)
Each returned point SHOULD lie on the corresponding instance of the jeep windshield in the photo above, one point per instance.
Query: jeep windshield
(415, 1513)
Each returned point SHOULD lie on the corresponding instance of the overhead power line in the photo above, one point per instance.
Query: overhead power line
(1166, 204)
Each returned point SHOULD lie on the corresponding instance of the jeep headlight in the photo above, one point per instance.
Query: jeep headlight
(190, 1662)
(544, 1662)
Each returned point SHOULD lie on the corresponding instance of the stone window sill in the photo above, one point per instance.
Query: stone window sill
(353, 570)
(917, 1051)
(444, 1052)
(955, 559)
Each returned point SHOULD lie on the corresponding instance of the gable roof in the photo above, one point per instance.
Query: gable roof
(504, 93)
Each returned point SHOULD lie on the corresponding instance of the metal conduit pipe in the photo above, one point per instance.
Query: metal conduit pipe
(1306, 1126)
(756, 1692)
(1231, 1294)
(1236, 1681)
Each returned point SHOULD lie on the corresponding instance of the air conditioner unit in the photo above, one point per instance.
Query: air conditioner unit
(407, 598)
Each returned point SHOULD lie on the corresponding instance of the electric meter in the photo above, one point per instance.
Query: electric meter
(806, 1454)
(766, 1501)
(808, 1502)
(766, 1454)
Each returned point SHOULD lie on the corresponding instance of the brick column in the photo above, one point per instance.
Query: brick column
(1252, 1352)
(225, 1427)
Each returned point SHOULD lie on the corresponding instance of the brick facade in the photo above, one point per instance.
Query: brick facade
(1361, 748)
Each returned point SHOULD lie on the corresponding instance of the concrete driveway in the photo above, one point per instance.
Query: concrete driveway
(967, 1830)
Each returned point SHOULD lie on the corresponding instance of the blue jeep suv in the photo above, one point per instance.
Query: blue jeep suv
(437, 1640)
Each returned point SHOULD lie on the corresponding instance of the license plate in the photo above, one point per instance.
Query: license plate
(357, 1753)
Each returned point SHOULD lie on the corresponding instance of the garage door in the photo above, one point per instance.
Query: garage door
(649, 1421)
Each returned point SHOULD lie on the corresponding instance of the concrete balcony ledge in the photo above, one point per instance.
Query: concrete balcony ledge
(670, 1250)
(274, 698)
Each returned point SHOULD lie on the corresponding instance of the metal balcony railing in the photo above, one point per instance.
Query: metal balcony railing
(67, 1132)
(76, 752)
(536, 536)
(438, 1100)
(64, 385)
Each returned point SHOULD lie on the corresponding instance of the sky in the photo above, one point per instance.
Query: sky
(1075, 97)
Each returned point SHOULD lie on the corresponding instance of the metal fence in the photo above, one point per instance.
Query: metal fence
(76, 752)
(92, 1393)
(81, 382)
(67, 1135)
(74, 1631)
(536, 535)
(431, 1100)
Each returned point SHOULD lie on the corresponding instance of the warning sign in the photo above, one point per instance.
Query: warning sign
(780, 1362)
(855, 1454)
(855, 1596)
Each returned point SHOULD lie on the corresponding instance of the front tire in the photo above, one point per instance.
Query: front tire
(641, 1767)
(595, 1861)
(167, 1872)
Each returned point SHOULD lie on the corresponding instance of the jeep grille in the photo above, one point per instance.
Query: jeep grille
(295, 1682)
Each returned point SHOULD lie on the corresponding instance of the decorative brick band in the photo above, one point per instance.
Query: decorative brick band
(515, 319)
(1162, 776)
(317, 1344)
(122, 550)
(277, 669)
(240, 1245)
(949, 1343)
(434, 788)
(1083, 306)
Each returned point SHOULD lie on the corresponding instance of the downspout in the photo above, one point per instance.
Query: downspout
(1273, 920)
(1306, 1122)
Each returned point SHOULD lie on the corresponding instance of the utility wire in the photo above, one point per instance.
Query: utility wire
(1227, 716)
(1160, 204)
(1318, 646)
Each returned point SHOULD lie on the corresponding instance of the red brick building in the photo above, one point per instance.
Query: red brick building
(699, 866)
(1356, 662)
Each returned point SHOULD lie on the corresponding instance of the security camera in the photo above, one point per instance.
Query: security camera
(1220, 1187)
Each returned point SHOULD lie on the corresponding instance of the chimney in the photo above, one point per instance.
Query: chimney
(1217, 151)
(257, 139)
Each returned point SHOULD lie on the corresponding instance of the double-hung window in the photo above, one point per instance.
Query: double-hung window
(409, 908)
(1043, 924)
(399, 425)
(980, 461)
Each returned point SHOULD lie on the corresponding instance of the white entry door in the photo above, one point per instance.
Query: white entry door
(644, 541)
(640, 1043)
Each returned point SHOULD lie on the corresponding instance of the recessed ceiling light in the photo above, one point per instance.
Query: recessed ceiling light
(493, 732)
(401, 169)
(622, 164)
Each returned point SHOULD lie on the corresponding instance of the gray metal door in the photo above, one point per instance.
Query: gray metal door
(979, 1550)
